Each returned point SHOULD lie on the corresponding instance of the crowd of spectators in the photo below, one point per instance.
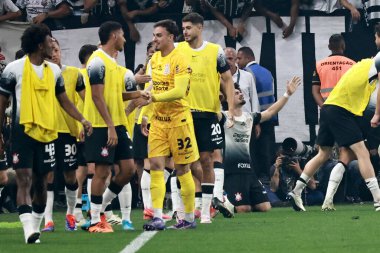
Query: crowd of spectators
(53, 12)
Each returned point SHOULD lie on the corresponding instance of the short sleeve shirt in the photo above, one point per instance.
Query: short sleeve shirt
(7, 6)
(36, 7)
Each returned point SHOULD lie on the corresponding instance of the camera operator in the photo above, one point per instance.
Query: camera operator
(284, 174)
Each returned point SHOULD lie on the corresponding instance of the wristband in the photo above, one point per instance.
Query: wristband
(286, 94)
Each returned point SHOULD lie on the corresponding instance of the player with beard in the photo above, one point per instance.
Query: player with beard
(209, 65)
(245, 193)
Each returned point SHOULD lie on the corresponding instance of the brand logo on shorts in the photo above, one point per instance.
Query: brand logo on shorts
(104, 152)
(238, 197)
(187, 157)
(15, 158)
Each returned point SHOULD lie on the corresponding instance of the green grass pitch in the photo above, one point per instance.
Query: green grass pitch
(352, 228)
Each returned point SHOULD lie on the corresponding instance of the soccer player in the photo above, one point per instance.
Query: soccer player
(337, 172)
(34, 85)
(125, 195)
(171, 130)
(104, 105)
(244, 190)
(65, 145)
(84, 170)
(140, 144)
(208, 64)
(340, 122)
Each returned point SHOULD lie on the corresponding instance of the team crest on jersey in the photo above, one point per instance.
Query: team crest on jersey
(104, 152)
(15, 159)
(238, 197)
(167, 69)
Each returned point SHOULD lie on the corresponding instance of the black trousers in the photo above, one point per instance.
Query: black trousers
(263, 150)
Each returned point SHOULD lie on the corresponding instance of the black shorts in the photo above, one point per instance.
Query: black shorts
(3, 164)
(81, 160)
(96, 150)
(140, 143)
(208, 131)
(30, 153)
(372, 134)
(66, 150)
(338, 125)
(244, 189)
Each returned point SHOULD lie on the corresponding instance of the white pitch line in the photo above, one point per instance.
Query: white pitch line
(139, 242)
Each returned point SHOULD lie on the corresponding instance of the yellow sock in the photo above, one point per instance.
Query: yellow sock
(157, 188)
(187, 191)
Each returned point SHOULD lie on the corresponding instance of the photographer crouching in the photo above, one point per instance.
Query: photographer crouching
(287, 169)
